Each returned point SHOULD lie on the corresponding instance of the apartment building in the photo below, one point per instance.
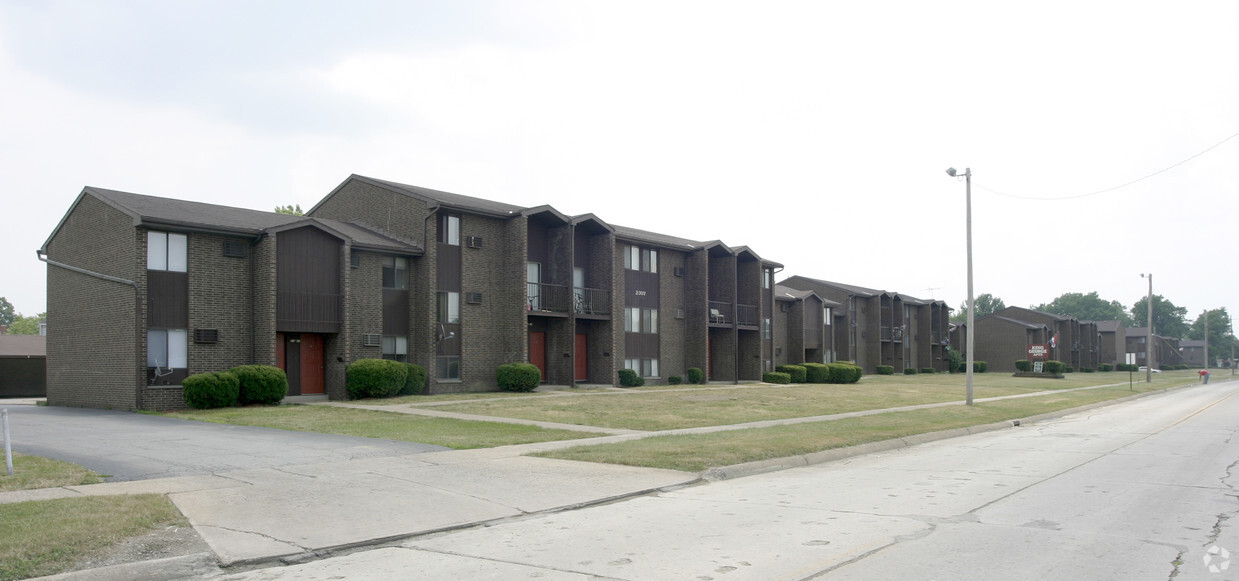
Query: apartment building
(804, 327)
(144, 290)
(1071, 341)
(875, 327)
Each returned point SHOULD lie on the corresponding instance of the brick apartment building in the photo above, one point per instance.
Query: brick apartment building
(874, 327)
(804, 324)
(143, 291)
(1001, 343)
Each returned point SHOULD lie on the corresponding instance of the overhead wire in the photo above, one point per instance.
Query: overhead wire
(1110, 189)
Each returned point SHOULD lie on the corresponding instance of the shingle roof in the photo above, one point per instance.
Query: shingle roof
(848, 288)
(657, 239)
(23, 346)
(449, 199)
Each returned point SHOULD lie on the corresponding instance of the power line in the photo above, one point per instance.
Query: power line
(1111, 189)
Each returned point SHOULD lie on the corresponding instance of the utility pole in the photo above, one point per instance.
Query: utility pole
(1206, 339)
(1148, 348)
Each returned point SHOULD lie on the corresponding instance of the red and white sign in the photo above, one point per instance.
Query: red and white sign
(1039, 351)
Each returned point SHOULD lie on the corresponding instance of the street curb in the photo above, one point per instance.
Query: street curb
(776, 464)
(195, 566)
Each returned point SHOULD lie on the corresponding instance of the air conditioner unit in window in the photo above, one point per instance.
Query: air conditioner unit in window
(473, 241)
(678, 271)
(206, 335)
(473, 298)
(372, 340)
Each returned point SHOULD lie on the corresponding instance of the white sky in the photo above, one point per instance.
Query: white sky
(817, 133)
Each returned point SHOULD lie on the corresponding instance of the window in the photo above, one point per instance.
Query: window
(395, 272)
(167, 349)
(447, 367)
(766, 332)
(643, 259)
(449, 230)
(826, 315)
(449, 307)
(166, 251)
(533, 286)
(766, 277)
(643, 367)
(396, 348)
(639, 320)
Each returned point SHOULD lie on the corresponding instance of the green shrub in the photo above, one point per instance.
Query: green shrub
(1055, 367)
(375, 378)
(844, 372)
(629, 378)
(518, 377)
(675, 380)
(928, 370)
(956, 363)
(1086, 369)
(886, 370)
(797, 373)
(818, 373)
(415, 383)
(261, 384)
(695, 375)
(211, 390)
(1126, 367)
(1105, 367)
(1070, 369)
(909, 371)
(1023, 365)
(778, 376)
(980, 366)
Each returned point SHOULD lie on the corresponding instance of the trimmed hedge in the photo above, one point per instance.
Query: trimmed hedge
(261, 384)
(980, 366)
(817, 373)
(695, 375)
(1055, 367)
(795, 373)
(1023, 365)
(928, 370)
(1086, 369)
(219, 389)
(629, 378)
(886, 370)
(375, 378)
(1105, 367)
(675, 380)
(909, 371)
(518, 377)
(415, 383)
(844, 373)
(778, 376)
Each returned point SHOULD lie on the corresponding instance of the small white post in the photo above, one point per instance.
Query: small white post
(8, 448)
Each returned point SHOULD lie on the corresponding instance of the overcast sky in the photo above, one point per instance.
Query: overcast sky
(816, 133)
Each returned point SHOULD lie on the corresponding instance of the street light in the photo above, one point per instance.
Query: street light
(1148, 349)
(969, 348)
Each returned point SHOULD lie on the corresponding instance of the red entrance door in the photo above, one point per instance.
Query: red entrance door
(313, 374)
(581, 355)
(537, 351)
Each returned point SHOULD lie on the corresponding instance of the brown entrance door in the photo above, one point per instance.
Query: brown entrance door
(537, 351)
(301, 356)
(581, 357)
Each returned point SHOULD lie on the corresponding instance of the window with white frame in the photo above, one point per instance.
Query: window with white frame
(396, 272)
(167, 349)
(643, 367)
(396, 348)
(448, 307)
(447, 367)
(449, 230)
(167, 251)
(641, 320)
(643, 259)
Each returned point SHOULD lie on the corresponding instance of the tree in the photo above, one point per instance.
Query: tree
(290, 210)
(6, 312)
(1087, 307)
(26, 325)
(985, 303)
(1220, 337)
(1168, 320)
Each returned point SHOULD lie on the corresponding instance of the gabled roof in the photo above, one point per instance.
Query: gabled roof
(22, 346)
(1198, 343)
(1054, 316)
(783, 293)
(672, 242)
(158, 212)
(859, 291)
(1106, 326)
(1016, 322)
(444, 199)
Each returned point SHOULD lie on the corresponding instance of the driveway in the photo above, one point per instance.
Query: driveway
(130, 446)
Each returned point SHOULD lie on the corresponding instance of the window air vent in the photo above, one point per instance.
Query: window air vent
(371, 340)
(679, 271)
(354, 259)
(679, 313)
(784, 307)
(473, 241)
(206, 335)
(473, 298)
(234, 249)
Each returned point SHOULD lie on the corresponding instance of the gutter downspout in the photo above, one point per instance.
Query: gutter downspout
(431, 371)
(137, 314)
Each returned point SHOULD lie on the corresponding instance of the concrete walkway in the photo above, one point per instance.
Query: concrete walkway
(303, 512)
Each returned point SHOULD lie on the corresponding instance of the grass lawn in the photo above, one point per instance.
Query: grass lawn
(699, 452)
(48, 536)
(31, 472)
(723, 405)
(458, 434)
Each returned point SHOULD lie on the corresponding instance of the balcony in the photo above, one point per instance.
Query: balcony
(721, 313)
(308, 312)
(748, 315)
(592, 301)
(547, 298)
(894, 334)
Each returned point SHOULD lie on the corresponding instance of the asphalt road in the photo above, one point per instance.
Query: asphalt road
(1140, 490)
(130, 446)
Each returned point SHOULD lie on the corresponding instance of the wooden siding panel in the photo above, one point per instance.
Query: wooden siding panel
(167, 304)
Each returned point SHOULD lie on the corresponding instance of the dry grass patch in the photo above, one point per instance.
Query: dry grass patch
(47, 537)
(458, 434)
(699, 452)
(30, 472)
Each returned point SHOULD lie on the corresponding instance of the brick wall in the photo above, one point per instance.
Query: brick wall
(91, 337)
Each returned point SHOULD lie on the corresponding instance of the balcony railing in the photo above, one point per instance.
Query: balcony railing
(892, 334)
(748, 315)
(296, 307)
(720, 313)
(591, 301)
(547, 298)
